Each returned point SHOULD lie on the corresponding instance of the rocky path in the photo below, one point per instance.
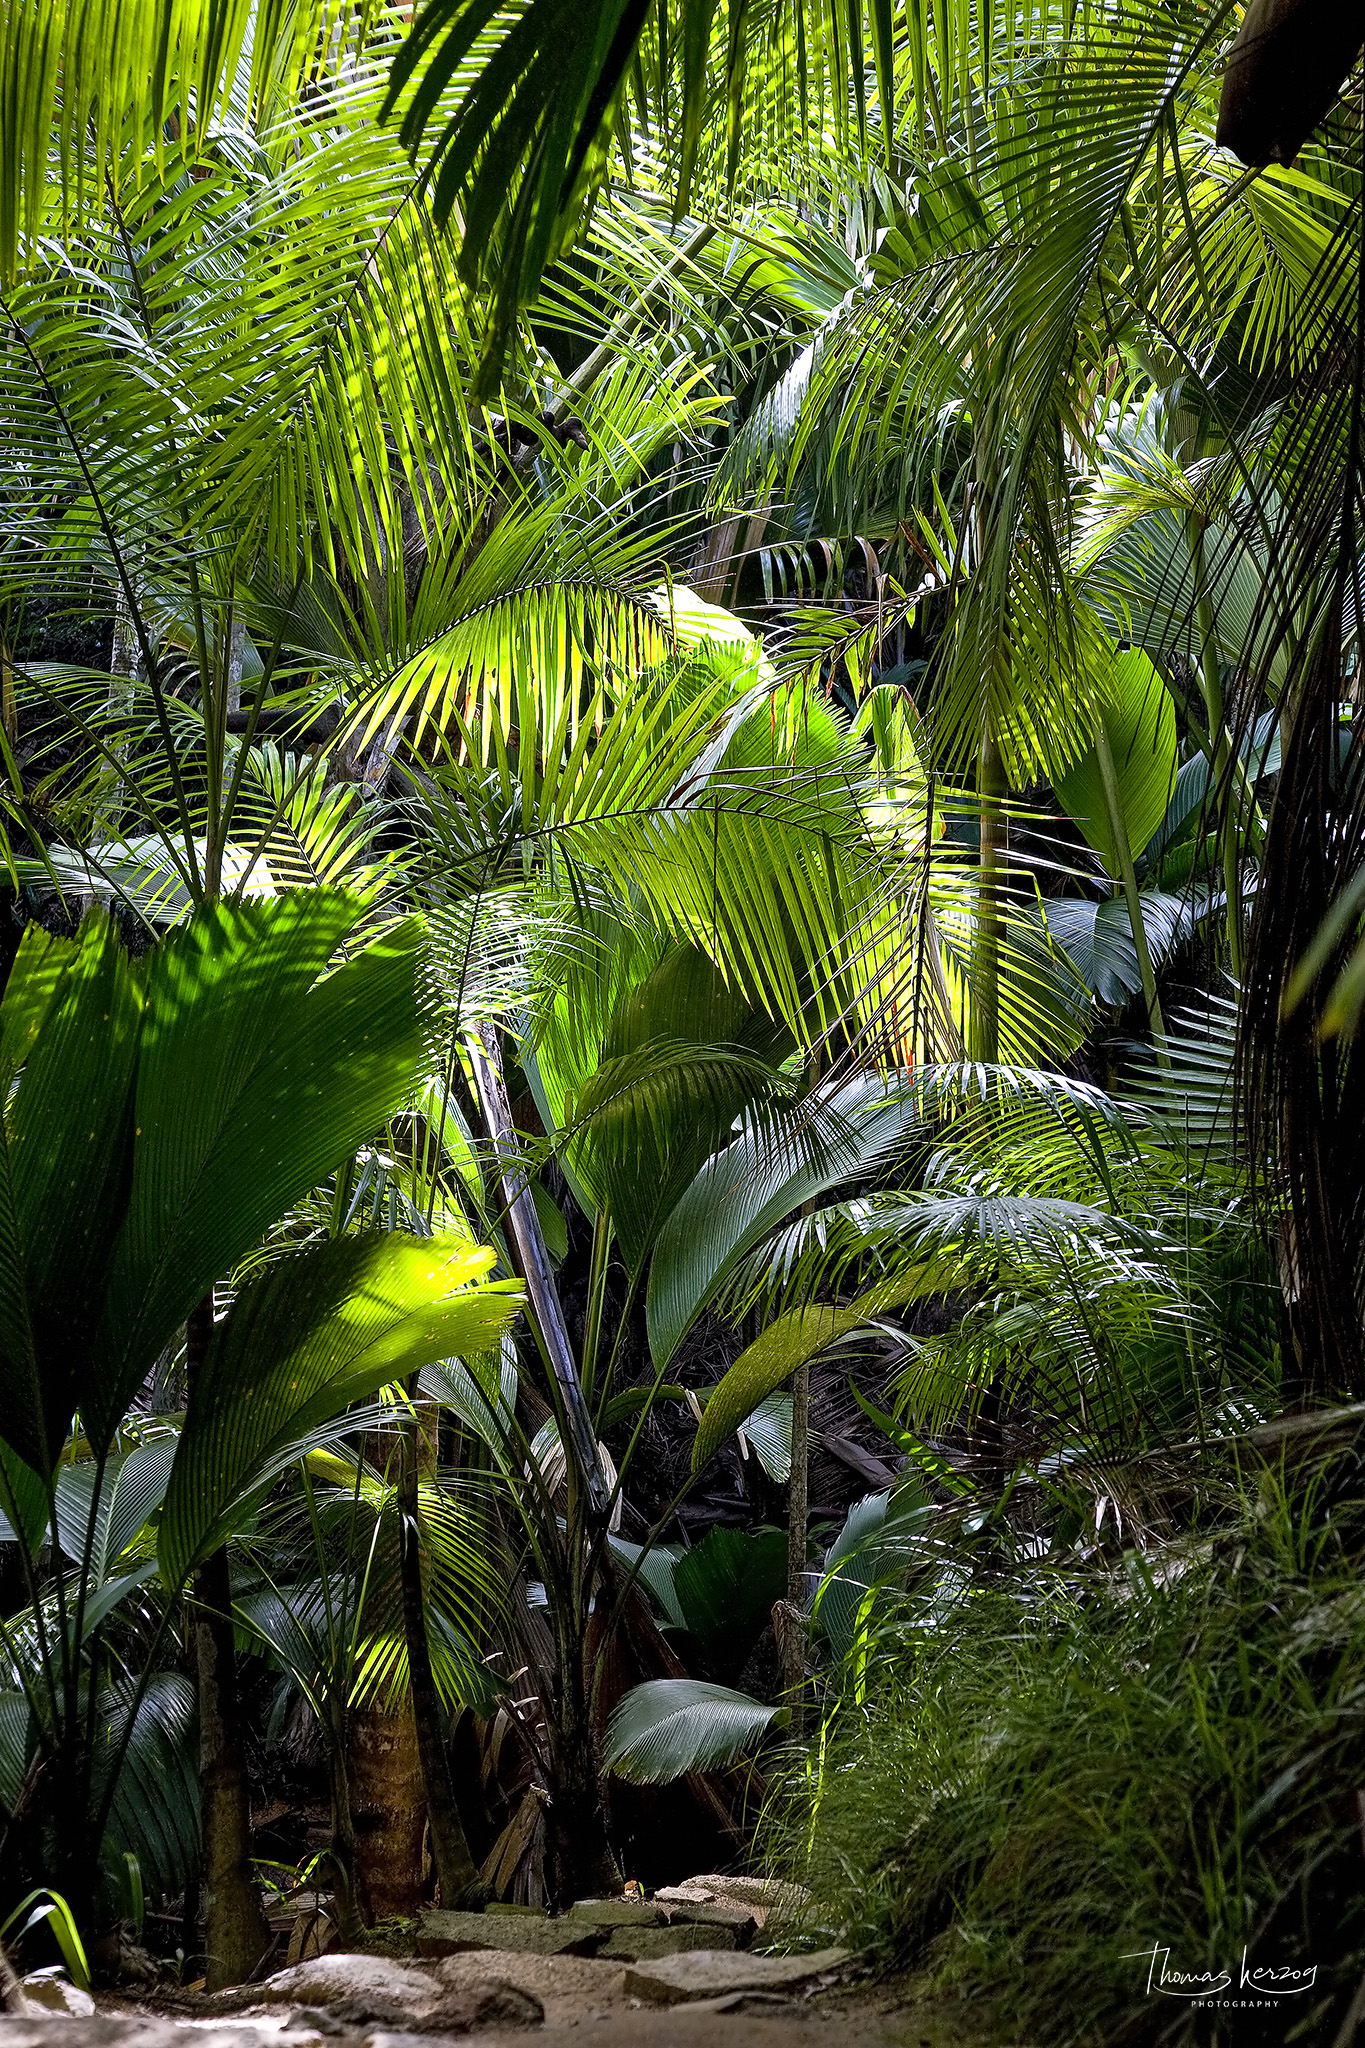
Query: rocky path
(584, 2005)
(674, 1972)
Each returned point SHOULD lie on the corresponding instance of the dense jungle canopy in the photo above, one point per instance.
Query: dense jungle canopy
(683, 865)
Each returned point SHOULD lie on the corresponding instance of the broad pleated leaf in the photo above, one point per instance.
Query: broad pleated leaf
(1098, 937)
(134, 1487)
(23, 1500)
(1139, 717)
(744, 1191)
(670, 1726)
(681, 1059)
(882, 1538)
(321, 1329)
(726, 1586)
(656, 1574)
(16, 1746)
(769, 1430)
(260, 1069)
(155, 1812)
(65, 1158)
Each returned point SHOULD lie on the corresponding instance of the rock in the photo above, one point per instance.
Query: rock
(649, 1944)
(334, 1993)
(694, 1913)
(507, 2005)
(135, 1965)
(763, 1897)
(531, 1912)
(357, 1988)
(567, 1986)
(705, 1973)
(449, 1934)
(311, 1934)
(501, 2006)
(616, 1913)
(751, 1891)
(49, 1991)
(110, 2030)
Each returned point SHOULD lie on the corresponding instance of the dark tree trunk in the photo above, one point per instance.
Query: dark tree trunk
(347, 1915)
(389, 1810)
(236, 1934)
(579, 1862)
(456, 1872)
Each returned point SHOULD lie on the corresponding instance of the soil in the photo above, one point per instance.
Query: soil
(585, 2002)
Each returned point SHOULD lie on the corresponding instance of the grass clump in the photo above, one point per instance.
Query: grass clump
(1070, 1775)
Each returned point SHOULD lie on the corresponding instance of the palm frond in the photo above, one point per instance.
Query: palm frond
(669, 1726)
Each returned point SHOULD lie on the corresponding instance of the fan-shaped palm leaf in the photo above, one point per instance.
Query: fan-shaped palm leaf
(669, 1726)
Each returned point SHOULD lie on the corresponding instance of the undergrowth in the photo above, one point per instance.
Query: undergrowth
(1066, 1777)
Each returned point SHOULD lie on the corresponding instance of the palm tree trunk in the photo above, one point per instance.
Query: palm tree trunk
(533, 1261)
(237, 1936)
(389, 1810)
(578, 1854)
(456, 1872)
(343, 1851)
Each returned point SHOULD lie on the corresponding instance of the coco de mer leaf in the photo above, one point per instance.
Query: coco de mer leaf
(670, 1726)
(322, 1329)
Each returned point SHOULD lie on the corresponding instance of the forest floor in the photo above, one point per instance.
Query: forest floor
(584, 2002)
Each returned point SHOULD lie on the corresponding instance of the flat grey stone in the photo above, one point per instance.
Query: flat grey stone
(339, 1992)
(694, 1913)
(706, 1973)
(771, 1892)
(617, 1913)
(450, 1934)
(361, 1987)
(651, 1944)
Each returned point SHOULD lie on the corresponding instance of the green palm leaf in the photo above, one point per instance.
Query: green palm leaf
(883, 1537)
(155, 1813)
(133, 1485)
(790, 1341)
(670, 1726)
(261, 1065)
(1139, 719)
(321, 1329)
(65, 1156)
(745, 1190)
(93, 84)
